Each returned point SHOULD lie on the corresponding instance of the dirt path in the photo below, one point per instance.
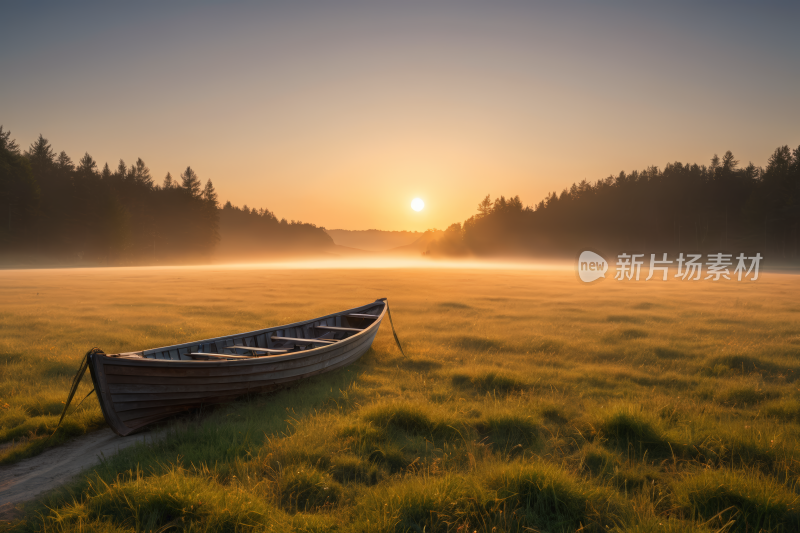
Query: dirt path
(27, 479)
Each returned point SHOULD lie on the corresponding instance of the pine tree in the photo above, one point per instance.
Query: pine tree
(211, 215)
(168, 182)
(87, 165)
(714, 163)
(190, 182)
(728, 162)
(19, 195)
(140, 174)
(64, 162)
(40, 152)
(106, 172)
(485, 207)
(8, 144)
(209, 194)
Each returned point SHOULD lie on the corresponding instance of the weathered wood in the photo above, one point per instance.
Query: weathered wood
(138, 388)
(210, 356)
(336, 328)
(298, 340)
(219, 371)
(209, 369)
(121, 396)
(196, 398)
(166, 384)
(125, 366)
(255, 349)
(126, 393)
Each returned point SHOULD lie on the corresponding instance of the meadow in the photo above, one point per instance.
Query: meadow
(527, 401)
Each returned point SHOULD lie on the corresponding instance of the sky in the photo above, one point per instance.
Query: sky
(341, 113)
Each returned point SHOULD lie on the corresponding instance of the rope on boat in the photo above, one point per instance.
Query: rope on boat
(74, 388)
(389, 312)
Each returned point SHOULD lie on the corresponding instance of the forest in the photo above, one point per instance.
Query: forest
(722, 207)
(56, 211)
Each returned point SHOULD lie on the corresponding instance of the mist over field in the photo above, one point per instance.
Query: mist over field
(65, 214)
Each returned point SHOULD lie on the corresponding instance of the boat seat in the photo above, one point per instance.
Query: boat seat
(255, 349)
(213, 356)
(336, 328)
(360, 315)
(305, 341)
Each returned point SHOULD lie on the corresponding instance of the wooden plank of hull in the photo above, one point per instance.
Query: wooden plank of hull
(226, 368)
(142, 382)
(135, 392)
(230, 368)
(142, 403)
(138, 418)
(124, 393)
(126, 426)
(165, 363)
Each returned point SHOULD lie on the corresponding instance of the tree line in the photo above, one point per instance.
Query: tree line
(55, 210)
(249, 233)
(721, 207)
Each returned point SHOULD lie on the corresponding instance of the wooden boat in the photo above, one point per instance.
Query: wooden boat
(138, 388)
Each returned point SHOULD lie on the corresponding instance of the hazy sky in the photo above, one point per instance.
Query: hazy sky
(340, 113)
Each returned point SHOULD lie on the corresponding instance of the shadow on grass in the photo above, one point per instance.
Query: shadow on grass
(754, 502)
(625, 319)
(471, 343)
(507, 431)
(625, 427)
(747, 364)
(414, 364)
(489, 381)
(663, 352)
(627, 334)
(304, 488)
(455, 305)
(413, 419)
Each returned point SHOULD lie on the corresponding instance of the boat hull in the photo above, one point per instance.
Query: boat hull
(138, 389)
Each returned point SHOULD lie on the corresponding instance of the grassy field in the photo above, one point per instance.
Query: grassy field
(527, 402)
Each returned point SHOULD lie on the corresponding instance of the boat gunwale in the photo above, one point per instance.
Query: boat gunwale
(141, 358)
(343, 346)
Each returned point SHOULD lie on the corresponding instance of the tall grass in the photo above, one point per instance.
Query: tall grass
(526, 403)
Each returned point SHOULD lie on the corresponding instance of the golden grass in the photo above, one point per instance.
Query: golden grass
(527, 400)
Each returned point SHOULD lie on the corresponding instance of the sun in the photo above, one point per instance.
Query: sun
(417, 204)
